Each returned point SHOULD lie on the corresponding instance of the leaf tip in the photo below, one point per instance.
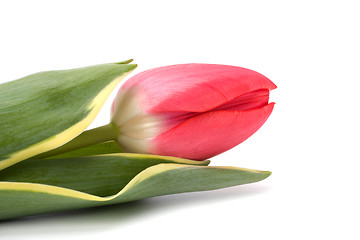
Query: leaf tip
(266, 174)
(125, 62)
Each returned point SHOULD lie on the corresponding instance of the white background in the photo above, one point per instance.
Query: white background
(310, 49)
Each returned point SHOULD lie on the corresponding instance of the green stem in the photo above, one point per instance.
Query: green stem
(87, 138)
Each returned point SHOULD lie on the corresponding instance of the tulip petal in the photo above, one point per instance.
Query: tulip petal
(193, 87)
(251, 100)
(210, 133)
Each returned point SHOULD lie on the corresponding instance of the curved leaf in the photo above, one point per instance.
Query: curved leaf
(45, 110)
(101, 175)
(108, 147)
(40, 186)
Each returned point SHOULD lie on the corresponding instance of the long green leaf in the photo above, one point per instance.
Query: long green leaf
(46, 185)
(45, 110)
(108, 147)
(101, 175)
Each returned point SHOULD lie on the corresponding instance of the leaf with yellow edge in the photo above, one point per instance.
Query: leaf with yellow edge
(43, 111)
(108, 147)
(40, 186)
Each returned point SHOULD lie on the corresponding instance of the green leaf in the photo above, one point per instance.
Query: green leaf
(100, 175)
(46, 185)
(45, 110)
(92, 150)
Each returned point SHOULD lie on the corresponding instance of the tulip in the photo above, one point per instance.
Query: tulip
(193, 111)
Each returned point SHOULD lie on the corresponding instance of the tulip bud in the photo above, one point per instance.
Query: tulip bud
(193, 111)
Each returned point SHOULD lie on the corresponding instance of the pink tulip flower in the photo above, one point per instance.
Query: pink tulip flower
(193, 111)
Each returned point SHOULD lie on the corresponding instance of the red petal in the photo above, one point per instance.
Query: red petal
(194, 87)
(247, 101)
(211, 133)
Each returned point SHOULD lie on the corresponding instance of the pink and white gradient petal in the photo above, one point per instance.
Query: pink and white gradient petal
(209, 134)
(194, 87)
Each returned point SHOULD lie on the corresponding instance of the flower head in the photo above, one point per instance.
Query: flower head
(193, 111)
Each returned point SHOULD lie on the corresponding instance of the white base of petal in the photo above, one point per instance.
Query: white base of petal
(136, 128)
